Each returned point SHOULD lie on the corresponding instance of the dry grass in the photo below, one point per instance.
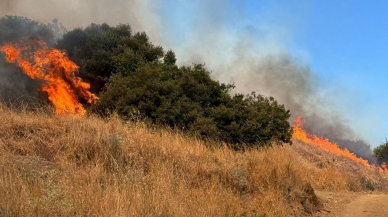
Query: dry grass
(336, 173)
(86, 166)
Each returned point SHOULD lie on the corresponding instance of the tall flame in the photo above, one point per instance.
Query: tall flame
(324, 143)
(58, 72)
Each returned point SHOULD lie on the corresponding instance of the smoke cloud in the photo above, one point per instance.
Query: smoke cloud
(80, 13)
(294, 85)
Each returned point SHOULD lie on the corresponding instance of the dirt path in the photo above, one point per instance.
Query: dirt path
(353, 205)
(367, 206)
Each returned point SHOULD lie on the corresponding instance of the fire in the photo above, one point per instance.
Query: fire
(383, 167)
(324, 143)
(63, 87)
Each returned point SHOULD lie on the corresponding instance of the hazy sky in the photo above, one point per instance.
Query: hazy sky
(344, 43)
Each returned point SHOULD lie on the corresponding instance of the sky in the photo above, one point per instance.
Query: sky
(344, 43)
(341, 46)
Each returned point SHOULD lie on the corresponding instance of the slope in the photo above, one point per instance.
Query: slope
(87, 166)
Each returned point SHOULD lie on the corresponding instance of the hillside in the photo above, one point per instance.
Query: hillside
(86, 166)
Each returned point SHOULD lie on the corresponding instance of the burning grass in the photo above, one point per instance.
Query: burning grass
(325, 144)
(346, 168)
(85, 166)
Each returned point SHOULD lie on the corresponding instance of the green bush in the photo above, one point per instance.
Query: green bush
(188, 99)
(102, 50)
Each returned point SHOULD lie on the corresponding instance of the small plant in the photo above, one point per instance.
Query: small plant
(368, 184)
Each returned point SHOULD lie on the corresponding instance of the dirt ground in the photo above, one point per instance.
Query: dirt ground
(348, 204)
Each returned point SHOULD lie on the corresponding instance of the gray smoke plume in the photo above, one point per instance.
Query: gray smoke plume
(294, 85)
(80, 13)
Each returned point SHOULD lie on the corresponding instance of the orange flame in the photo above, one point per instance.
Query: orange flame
(58, 72)
(383, 167)
(324, 143)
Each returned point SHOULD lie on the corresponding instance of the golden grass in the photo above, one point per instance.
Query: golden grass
(86, 166)
(331, 172)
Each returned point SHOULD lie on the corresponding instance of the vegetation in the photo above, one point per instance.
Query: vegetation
(381, 153)
(86, 166)
(91, 166)
(138, 80)
(101, 51)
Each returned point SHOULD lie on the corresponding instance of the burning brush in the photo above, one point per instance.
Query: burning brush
(324, 143)
(59, 73)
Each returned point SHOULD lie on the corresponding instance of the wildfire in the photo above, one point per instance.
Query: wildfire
(63, 87)
(325, 144)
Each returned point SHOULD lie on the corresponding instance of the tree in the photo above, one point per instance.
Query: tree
(169, 58)
(102, 50)
(137, 80)
(381, 153)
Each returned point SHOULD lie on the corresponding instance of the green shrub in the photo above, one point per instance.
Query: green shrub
(102, 50)
(188, 99)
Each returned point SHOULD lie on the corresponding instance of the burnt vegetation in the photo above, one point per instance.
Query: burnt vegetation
(141, 81)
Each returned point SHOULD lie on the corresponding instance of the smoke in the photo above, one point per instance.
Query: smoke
(80, 13)
(296, 86)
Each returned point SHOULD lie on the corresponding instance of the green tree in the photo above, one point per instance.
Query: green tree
(381, 153)
(169, 58)
(102, 50)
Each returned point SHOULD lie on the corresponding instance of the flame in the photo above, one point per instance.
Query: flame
(383, 167)
(63, 87)
(324, 143)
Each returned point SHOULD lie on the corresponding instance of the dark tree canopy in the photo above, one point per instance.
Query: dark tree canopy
(102, 50)
(138, 80)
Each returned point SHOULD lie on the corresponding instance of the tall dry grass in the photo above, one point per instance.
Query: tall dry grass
(330, 172)
(86, 166)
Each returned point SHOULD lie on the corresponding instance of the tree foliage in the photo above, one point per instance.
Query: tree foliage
(381, 153)
(102, 50)
(138, 80)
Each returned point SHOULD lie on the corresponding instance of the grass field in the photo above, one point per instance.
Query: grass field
(87, 166)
